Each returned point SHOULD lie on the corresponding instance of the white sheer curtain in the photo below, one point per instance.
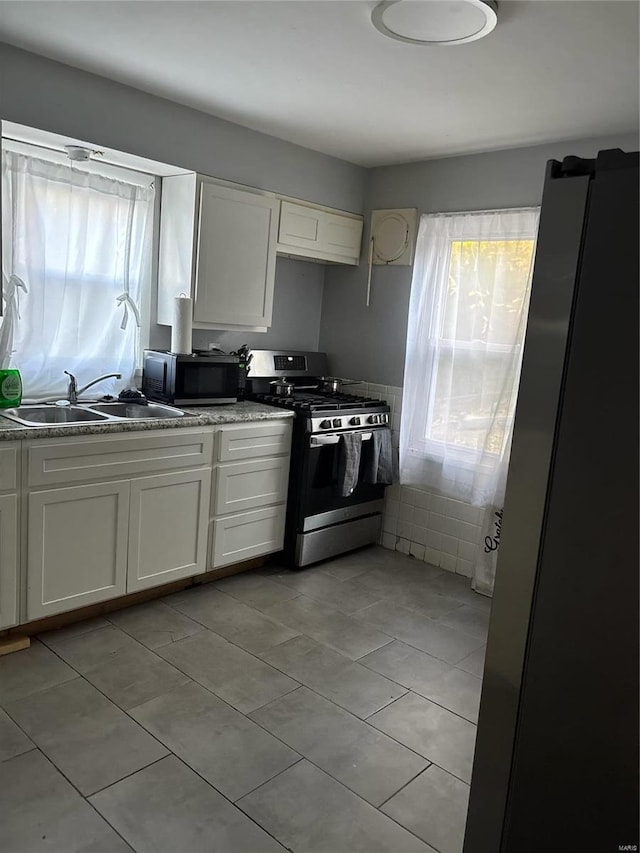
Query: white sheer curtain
(76, 257)
(467, 317)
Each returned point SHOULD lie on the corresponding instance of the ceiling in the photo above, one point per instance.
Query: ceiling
(317, 73)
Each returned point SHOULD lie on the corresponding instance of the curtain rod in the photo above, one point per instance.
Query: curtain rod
(487, 210)
(63, 153)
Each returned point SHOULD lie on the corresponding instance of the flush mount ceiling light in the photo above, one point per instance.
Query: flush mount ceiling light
(435, 22)
(80, 153)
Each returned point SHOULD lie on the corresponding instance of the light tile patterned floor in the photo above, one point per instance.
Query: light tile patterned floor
(330, 710)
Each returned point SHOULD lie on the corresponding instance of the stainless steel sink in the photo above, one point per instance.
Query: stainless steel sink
(135, 411)
(86, 413)
(52, 415)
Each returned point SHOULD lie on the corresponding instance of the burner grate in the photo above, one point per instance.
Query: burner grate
(317, 402)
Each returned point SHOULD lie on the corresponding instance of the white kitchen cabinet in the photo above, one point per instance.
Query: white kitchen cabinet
(318, 233)
(248, 534)
(109, 515)
(9, 533)
(77, 546)
(218, 245)
(245, 485)
(8, 560)
(168, 528)
(249, 494)
(239, 442)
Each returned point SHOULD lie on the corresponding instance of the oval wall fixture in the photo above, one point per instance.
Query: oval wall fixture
(393, 236)
(435, 22)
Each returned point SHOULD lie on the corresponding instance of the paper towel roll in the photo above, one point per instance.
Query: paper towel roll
(182, 321)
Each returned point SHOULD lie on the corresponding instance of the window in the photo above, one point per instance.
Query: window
(469, 300)
(76, 260)
(482, 302)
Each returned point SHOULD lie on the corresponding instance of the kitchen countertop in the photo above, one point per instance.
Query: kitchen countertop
(234, 413)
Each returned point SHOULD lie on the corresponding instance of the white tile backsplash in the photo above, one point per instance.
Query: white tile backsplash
(439, 530)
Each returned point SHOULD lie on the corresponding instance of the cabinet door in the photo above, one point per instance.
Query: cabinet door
(8, 560)
(249, 534)
(315, 233)
(236, 257)
(76, 547)
(299, 226)
(341, 236)
(245, 485)
(168, 528)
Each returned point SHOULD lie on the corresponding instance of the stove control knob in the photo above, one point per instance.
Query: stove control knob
(355, 421)
(384, 418)
(337, 422)
(372, 419)
(325, 424)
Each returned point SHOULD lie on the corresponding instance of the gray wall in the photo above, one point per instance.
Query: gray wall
(369, 343)
(40, 93)
(297, 305)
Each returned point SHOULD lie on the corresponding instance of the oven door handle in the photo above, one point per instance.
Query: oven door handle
(320, 440)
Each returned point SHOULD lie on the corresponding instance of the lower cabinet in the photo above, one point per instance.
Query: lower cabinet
(249, 495)
(77, 547)
(87, 542)
(8, 560)
(168, 528)
(90, 543)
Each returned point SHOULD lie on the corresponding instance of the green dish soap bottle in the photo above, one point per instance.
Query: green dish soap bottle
(10, 387)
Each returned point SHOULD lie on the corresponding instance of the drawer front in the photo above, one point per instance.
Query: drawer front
(244, 485)
(93, 457)
(270, 438)
(9, 466)
(249, 534)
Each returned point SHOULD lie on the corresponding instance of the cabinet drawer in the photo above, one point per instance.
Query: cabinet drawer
(245, 485)
(9, 466)
(249, 534)
(236, 443)
(94, 457)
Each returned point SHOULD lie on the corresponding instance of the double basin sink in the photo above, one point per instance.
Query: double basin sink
(87, 413)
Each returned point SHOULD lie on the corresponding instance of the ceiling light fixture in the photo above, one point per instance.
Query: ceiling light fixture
(78, 152)
(435, 22)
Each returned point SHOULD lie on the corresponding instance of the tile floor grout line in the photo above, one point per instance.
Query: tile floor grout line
(373, 729)
(84, 797)
(163, 745)
(414, 690)
(129, 775)
(108, 698)
(413, 779)
(339, 782)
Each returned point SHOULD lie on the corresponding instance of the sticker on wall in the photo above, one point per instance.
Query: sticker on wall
(393, 235)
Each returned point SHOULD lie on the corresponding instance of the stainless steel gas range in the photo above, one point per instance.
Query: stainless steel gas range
(322, 521)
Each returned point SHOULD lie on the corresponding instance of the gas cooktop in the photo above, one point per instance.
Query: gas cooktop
(318, 402)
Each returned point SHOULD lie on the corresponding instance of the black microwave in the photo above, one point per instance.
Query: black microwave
(199, 378)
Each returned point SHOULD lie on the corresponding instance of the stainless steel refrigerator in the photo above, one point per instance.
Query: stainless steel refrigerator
(556, 762)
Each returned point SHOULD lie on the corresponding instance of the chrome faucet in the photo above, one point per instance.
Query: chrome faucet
(73, 392)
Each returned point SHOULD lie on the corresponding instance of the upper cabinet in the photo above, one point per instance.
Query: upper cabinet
(217, 245)
(318, 233)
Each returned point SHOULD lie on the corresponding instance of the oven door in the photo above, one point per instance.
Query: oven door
(206, 382)
(320, 500)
